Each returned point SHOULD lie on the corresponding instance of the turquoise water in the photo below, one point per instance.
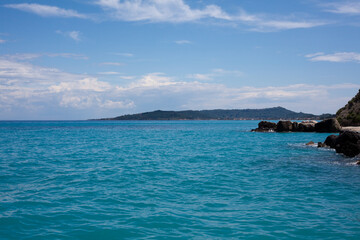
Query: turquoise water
(172, 179)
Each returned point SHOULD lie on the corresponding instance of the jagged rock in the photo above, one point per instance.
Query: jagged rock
(265, 126)
(310, 143)
(306, 127)
(284, 126)
(358, 163)
(331, 141)
(321, 145)
(328, 125)
(348, 143)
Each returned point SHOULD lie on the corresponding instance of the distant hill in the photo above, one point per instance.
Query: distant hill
(220, 114)
(350, 114)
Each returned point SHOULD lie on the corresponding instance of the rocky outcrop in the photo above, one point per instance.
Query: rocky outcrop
(331, 141)
(265, 126)
(349, 115)
(347, 143)
(306, 127)
(284, 126)
(328, 125)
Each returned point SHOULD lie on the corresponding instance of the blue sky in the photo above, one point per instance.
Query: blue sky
(103, 58)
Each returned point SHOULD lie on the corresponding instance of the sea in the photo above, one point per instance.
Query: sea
(172, 180)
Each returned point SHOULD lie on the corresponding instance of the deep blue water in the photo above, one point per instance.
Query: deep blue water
(172, 179)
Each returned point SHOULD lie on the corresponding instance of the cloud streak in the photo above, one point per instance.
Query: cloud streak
(177, 11)
(335, 57)
(345, 7)
(46, 10)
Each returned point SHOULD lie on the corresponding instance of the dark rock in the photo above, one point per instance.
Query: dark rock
(348, 143)
(328, 125)
(331, 141)
(306, 127)
(265, 126)
(358, 163)
(310, 143)
(295, 126)
(284, 126)
(321, 145)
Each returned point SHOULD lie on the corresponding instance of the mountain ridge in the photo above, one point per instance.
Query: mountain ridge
(274, 113)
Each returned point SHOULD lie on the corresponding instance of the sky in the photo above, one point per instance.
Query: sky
(76, 59)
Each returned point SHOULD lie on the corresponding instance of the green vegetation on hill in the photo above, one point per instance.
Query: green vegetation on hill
(219, 114)
(349, 115)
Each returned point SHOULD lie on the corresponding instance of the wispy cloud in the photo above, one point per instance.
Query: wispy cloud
(335, 57)
(182, 42)
(159, 11)
(109, 73)
(75, 35)
(124, 54)
(29, 56)
(344, 7)
(46, 10)
(2, 41)
(177, 11)
(215, 73)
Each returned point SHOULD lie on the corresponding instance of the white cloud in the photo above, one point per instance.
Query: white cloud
(118, 104)
(2, 41)
(27, 86)
(182, 42)
(336, 57)
(39, 90)
(344, 7)
(87, 84)
(75, 35)
(46, 11)
(153, 80)
(177, 11)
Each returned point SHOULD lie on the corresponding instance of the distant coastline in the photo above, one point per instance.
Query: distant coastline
(275, 113)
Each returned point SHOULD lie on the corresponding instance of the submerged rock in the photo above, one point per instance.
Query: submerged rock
(328, 125)
(310, 143)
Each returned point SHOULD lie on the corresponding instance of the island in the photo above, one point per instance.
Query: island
(223, 114)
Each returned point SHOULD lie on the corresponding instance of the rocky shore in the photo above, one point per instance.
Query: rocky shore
(347, 142)
(328, 125)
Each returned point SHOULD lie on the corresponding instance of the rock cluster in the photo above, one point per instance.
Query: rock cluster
(328, 125)
(347, 143)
